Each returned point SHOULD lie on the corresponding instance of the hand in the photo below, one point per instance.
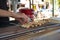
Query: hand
(22, 18)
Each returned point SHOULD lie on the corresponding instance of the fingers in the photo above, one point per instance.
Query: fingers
(22, 20)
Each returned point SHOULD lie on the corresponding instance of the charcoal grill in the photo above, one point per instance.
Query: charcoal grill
(15, 29)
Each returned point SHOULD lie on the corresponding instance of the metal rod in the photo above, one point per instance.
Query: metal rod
(53, 8)
(30, 4)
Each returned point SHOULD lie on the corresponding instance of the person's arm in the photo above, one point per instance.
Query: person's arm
(17, 16)
(4, 13)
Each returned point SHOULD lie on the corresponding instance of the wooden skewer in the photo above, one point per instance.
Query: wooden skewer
(34, 24)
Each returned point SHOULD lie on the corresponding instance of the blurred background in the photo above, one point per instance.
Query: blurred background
(48, 8)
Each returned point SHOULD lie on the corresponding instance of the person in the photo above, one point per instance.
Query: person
(5, 14)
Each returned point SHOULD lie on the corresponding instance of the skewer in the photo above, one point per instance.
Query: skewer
(34, 24)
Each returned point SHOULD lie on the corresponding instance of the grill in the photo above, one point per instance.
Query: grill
(14, 29)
